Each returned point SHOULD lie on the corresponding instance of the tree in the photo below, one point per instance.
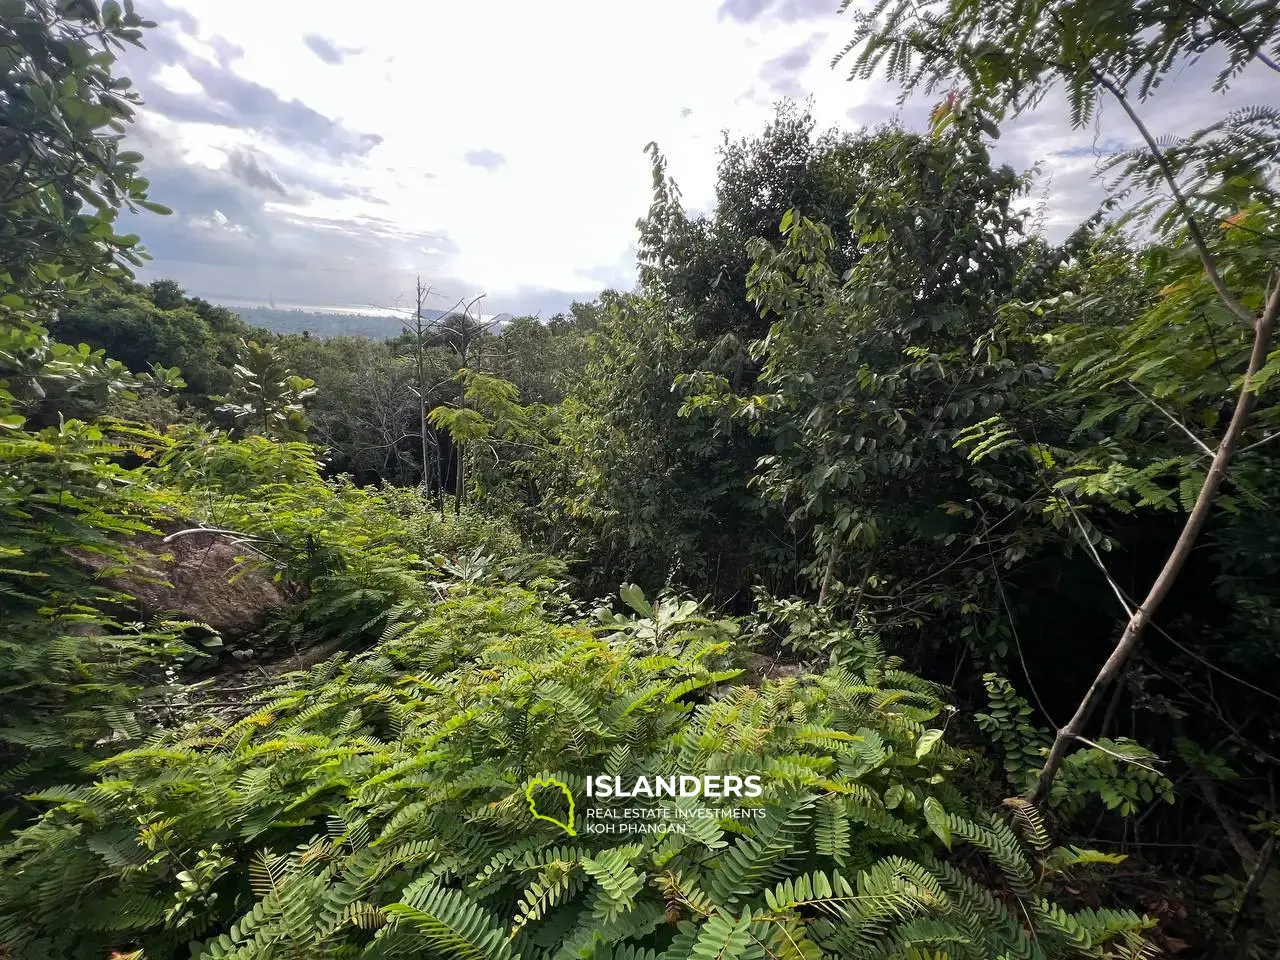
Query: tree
(420, 332)
(700, 264)
(668, 494)
(142, 324)
(489, 411)
(365, 412)
(870, 374)
(637, 491)
(543, 359)
(1011, 55)
(62, 180)
(266, 397)
(462, 335)
(63, 177)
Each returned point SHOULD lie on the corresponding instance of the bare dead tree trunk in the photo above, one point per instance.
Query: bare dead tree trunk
(1133, 631)
(440, 465)
(422, 384)
(462, 478)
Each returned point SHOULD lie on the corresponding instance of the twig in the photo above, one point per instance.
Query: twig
(1117, 756)
(1174, 420)
(1093, 551)
(1260, 442)
(239, 538)
(1193, 228)
(216, 531)
(243, 689)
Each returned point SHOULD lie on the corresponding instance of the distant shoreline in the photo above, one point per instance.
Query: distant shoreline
(233, 303)
(326, 322)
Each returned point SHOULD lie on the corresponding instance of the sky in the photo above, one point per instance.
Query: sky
(327, 152)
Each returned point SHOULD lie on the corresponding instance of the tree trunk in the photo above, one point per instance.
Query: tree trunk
(439, 473)
(422, 387)
(827, 576)
(462, 479)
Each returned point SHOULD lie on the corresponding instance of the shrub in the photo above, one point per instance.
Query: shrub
(376, 807)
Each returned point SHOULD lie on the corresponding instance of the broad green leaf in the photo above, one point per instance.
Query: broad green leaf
(634, 598)
(936, 818)
(928, 740)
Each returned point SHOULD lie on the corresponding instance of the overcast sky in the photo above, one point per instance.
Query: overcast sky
(325, 151)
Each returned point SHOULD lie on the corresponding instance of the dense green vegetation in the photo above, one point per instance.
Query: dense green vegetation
(962, 540)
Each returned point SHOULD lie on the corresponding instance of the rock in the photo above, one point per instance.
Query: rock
(199, 577)
(759, 668)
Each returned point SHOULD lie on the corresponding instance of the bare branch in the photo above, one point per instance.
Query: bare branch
(1117, 756)
(1133, 631)
(237, 539)
(1193, 228)
(1237, 837)
(215, 531)
(1174, 420)
(1267, 439)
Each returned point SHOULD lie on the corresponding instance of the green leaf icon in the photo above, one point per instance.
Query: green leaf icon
(533, 804)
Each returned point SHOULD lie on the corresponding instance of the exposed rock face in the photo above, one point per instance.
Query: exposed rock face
(201, 577)
(759, 668)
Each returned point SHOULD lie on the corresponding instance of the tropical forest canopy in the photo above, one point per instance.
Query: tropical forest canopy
(964, 541)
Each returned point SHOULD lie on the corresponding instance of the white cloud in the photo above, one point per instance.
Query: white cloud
(567, 93)
(176, 77)
(513, 130)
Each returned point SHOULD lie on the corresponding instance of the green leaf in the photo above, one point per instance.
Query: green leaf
(634, 598)
(928, 740)
(723, 939)
(936, 818)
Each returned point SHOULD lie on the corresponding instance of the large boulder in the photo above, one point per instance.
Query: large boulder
(203, 576)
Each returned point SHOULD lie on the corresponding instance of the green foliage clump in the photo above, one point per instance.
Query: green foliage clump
(376, 806)
(72, 661)
(63, 176)
(157, 323)
(346, 556)
(429, 532)
(266, 397)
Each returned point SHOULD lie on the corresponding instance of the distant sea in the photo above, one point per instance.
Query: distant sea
(376, 323)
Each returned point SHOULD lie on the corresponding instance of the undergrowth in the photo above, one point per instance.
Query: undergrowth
(375, 806)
